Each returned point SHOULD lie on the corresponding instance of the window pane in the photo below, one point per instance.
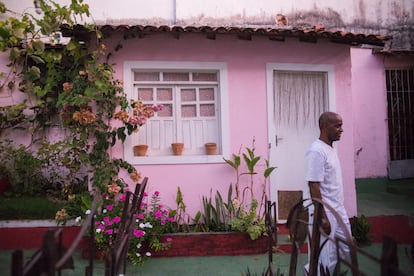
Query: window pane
(167, 111)
(206, 94)
(164, 94)
(145, 94)
(176, 76)
(188, 95)
(188, 111)
(207, 110)
(204, 77)
(146, 76)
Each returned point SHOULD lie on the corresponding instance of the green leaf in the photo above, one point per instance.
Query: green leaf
(14, 53)
(38, 46)
(37, 59)
(268, 171)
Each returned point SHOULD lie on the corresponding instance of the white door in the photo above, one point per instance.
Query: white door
(296, 96)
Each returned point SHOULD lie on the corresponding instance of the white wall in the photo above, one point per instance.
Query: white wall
(370, 13)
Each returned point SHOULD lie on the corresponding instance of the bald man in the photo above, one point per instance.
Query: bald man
(324, 178)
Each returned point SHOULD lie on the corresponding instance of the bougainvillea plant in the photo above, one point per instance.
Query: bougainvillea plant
(67, 84)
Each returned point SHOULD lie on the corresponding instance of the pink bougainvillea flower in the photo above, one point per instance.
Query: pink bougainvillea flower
(156, 193)
(140, 216)
(122, 198)
(110, 207)
(157, 107)
(116, 219)
(133, 121)
(109, 231)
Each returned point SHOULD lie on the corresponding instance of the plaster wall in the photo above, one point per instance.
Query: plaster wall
(246, 63)
(370, 114)
(378, 13)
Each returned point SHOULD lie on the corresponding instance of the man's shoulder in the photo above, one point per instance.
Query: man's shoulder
(316, 145)
(317, 148)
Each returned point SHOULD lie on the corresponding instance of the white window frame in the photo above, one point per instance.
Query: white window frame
(223, 123)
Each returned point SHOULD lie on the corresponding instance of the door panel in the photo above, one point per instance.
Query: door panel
(298, 98)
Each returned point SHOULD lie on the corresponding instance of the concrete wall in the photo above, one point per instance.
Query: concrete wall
(370, 114)
(246, 63)
(394, 17)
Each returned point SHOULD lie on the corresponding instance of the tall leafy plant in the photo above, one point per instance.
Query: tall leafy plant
(249, 217)
(68, 83)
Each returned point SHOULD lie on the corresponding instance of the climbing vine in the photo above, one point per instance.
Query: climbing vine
(67, 83)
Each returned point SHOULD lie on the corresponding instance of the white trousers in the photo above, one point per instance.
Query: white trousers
(328, 255)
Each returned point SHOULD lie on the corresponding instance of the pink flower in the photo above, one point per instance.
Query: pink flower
(133, 121)
(158, 214)
(138, 233)
(122, 198)
(107, 221)
(168, 239)
(157, 107)
(116, 219)
(156, 193)
(162, 222)
(140, 216)
(109, 231)
(110, 207)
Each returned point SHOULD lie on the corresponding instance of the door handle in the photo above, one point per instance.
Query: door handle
(277, 139)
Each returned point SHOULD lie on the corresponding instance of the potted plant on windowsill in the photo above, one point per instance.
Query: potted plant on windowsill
(211, 148)
(177, 148)
(140, 150)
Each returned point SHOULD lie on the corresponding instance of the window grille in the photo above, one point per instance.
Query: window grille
(400, 97)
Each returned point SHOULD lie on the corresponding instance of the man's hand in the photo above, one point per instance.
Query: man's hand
(315, 192)
(326, 225)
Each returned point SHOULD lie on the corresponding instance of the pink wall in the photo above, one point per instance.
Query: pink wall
(246, 63)
(370, 114)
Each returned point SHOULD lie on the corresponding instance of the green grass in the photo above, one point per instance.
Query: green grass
(27, 208)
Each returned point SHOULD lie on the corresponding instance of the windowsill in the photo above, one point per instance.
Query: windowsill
(182, 159)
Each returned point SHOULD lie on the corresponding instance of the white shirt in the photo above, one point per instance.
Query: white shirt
(322, 165)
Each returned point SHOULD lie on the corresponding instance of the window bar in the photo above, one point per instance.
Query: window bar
(410, 113)
(403, 115)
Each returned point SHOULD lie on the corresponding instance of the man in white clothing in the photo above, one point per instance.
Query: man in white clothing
(324, 178)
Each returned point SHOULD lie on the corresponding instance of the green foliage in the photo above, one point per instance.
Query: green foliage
(217, 214)
(68, 83)
(249, 222)
(361, 230)
(49, 171)
(28, 207)
(229, 213)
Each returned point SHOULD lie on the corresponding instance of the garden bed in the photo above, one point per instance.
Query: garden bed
(214, 244)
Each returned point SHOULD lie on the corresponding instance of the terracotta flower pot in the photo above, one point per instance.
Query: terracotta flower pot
(140, 150)
(211, 148)
(177, 148)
